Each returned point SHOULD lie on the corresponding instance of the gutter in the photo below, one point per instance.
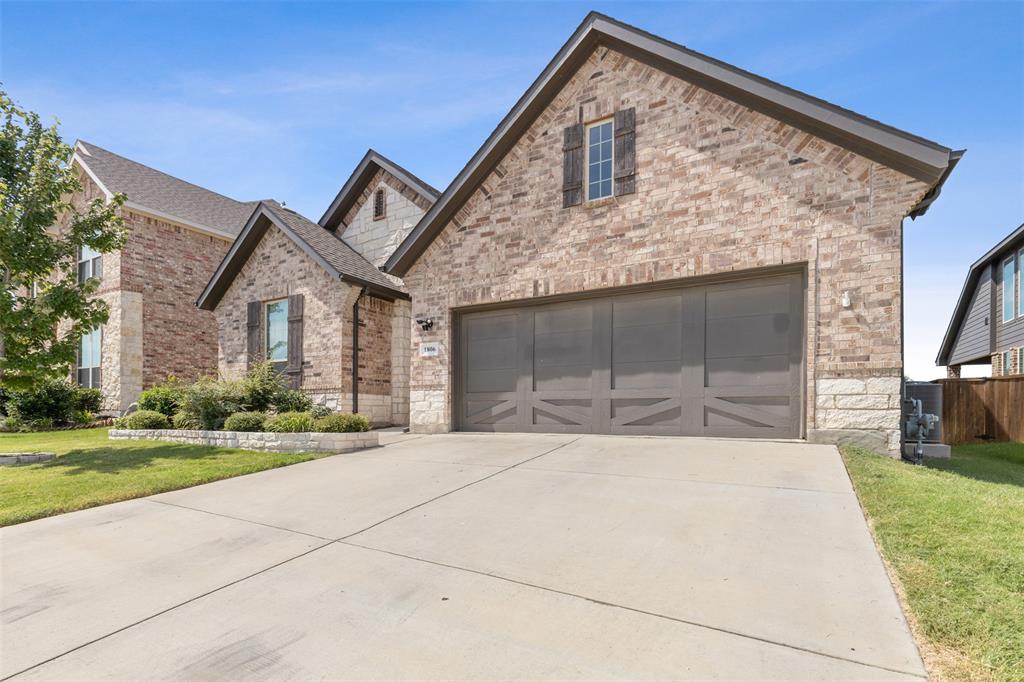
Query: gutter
(936, 190)
(355, 351)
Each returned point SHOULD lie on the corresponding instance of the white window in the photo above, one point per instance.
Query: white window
(277, 332)
(379, 204)
(1020, 283)
(89, 359)
(1009, 286)
(90, 264)
(599, 160)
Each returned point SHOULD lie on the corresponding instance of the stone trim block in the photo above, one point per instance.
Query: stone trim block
(259, 440)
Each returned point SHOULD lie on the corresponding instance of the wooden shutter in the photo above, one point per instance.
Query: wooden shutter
(625, 151)
(572, 168)
(253, 339)
(294, 369)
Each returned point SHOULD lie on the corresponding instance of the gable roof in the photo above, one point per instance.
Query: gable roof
(323, 246)
(967, 293)
(915, 156)
(361, 176)
(165, 196)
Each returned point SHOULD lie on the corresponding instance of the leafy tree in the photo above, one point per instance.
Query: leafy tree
(41, 232)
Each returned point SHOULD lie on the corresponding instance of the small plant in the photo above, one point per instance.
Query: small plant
(292, 400)
(143, 419)
(164, 398)
(245, 421)
(87, 400)
(342, 423)
(52, 403)
(319, 411)
(289, 422)
(209, 402)
(183, 421)
(261, 386)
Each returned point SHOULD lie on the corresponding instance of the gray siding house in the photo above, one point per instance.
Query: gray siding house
(988, 321)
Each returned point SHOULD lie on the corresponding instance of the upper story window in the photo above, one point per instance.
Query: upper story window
(1009, 286)
(599, 160)
(379, 204)
(277, 332)
(1020, 283)
(89, 359)
(90, 264)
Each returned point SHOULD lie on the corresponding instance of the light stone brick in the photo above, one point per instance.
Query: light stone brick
(885, 385)
(861, 419)
(862, 402)
(840, 386)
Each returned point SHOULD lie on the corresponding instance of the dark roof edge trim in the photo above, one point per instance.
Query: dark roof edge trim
(247, 240)
(367, 167)
(953, 329)
(928, 199)
(907, 153)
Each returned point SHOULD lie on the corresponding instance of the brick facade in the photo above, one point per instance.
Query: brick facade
(278, 268)
(720, 189)
(154, 330)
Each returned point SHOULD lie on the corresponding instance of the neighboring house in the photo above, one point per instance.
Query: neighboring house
(177, 234)
(988, 322)
(655, 242)
(311, 296)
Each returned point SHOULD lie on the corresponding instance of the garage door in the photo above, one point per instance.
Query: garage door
(722, 360)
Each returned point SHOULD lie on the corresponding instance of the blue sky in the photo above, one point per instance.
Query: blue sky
(280, 100)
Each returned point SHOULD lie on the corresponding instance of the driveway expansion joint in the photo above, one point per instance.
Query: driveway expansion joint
(652, 614)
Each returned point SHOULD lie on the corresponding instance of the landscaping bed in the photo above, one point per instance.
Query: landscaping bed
(952, 532)
(267, 441)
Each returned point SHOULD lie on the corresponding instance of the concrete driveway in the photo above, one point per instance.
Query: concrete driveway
(469, 556)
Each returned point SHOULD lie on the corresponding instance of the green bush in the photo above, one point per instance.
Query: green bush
(208, 402)
(318, 411)
(292, 400)
(245, 421)
(290, 422)
(261, 386)
(342, 423)
(52, 403)
(164, 398)
(143, 419)
(186, 422)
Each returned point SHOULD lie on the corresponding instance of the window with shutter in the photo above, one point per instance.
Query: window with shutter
(277, 333)
(599, 160)
(253, 336)
(294, 354)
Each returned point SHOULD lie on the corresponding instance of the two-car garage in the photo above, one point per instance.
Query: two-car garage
(722, 359)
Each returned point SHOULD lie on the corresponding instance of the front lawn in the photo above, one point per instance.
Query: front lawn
(91, 470)
(953, 532)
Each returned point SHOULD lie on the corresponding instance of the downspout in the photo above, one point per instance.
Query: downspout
(355, 351)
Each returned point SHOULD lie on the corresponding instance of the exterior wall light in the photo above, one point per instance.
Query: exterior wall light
(845, 300)
(426, 323)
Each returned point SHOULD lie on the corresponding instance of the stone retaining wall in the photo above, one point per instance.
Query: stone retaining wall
(262, 440)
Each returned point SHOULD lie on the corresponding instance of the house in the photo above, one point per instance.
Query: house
(988, 322)
(311, 298)
(656, 242)
(177, 234)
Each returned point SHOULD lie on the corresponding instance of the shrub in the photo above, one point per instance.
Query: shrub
(261, 386)
(245, 421)
(318, 411)
(290, 422)
(143, 419)
(342, 423)
(208, 403)
(52, 403)
(292, 400)
(186, 422)
(164, 398)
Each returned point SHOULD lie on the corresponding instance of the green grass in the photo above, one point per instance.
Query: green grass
(953, 532)
(91, 470)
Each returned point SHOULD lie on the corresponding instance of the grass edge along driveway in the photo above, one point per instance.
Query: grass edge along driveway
(91, 470)
(953, 533)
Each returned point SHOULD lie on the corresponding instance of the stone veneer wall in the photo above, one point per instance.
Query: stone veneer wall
(260, 440)
(377, 239)
(720, 189)
(277, 268)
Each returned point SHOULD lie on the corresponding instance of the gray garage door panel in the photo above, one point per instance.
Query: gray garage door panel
(721, 359)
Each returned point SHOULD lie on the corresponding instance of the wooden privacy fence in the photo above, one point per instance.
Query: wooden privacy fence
(990, 409)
